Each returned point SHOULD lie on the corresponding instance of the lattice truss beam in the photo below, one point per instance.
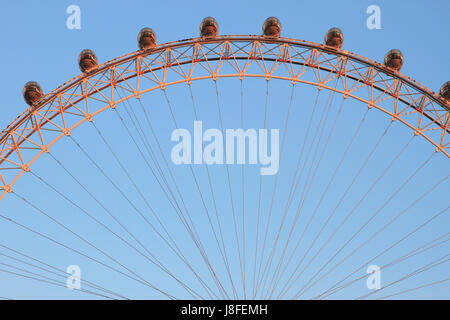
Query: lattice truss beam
(82, 98)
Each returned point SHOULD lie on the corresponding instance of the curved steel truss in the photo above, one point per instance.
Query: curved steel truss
(71, 104)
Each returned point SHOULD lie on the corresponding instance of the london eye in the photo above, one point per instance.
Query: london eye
(342, 165)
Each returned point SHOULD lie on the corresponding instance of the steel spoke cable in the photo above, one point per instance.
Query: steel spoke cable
(301, 152)
(355, 134)
(219, 284)
(296, 180)
(335, 288)
(147, 145)
(158, 167)
(230, 190)
(224, 255)
(56, 221)
(143, 136)
(378, 210)
(399, 241)
(95, 287)
(392, 221)
(258, 219)
(334, 211)
(300, 157)
(95, 219)
(412, 254)
(283, 140)
(157, 263)
(420, 250)
(105, 209)
(45, 278)
(91, 216)
(272, 252)
(403, 212)
(182, 218)
(43, 212)
(280, 263)
(227, 264)
(278, 275)
(173, 202)
(414, 289)
(318, 132)
(425, 268)
(60, 272)
(87, 283)
(266, 273)
(261, 276)
(177, 250)
(364, 197)
(53, 282)
(303, 195)
(137, 279)
(243, 186)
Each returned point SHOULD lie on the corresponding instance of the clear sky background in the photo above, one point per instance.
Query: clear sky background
(38, 46)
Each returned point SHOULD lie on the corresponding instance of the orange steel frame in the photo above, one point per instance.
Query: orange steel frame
(68, 106)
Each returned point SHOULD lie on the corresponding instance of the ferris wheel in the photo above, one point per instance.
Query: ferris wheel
(230, 167)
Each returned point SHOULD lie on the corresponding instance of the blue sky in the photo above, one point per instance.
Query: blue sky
(38, 46)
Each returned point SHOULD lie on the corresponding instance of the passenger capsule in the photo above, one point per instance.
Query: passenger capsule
(272, 27)
(334, 38)
(209, 27)
(146, 39)
(445, 91)
(32, 93)
(394, 59)
(87, 60)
